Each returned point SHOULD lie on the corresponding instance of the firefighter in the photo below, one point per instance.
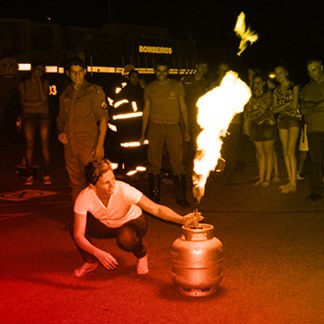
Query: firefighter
(164, 109)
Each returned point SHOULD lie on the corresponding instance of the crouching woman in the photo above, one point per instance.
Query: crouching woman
(110, 208)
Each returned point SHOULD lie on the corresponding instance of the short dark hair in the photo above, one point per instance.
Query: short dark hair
(74, 60)
(283, 65)
(133, 72)
(38, 63)
(162, 62)
(202, 60)
(95, 169)
(314, 59)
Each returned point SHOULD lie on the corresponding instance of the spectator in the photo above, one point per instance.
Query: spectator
(130, 103)
(312, 105)
(222, 68)
(81, 123)
(286, 105)
(195, 86)
(133, 90)
(233, 137)
(272, 83)
(262, 127)
(302, 151)
(109, 208)
(10, 103)
(34, 92)
(164, 109)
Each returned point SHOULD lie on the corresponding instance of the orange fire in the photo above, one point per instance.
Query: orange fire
(244, 33)
(215, 112)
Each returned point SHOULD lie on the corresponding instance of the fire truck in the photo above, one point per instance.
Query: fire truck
(107, 50)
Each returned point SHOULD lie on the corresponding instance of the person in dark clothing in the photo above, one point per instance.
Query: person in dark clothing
(195, 86)
(312, 108)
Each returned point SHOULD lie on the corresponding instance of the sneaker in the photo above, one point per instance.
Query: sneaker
(47, 180)
(29, 181)
(313, 197)
(265, 184)
(299, 176)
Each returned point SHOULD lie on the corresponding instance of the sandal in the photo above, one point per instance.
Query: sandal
(29, 181)
(284, 186)
(258, 183)
(265, 184)
(289, 189)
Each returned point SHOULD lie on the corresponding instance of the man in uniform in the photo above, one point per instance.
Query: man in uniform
(81, 123)
(164, 109)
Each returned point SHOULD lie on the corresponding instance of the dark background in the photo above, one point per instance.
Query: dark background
(288, 31)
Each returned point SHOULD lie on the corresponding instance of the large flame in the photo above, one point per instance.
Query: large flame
(216, 109)
(244, 33)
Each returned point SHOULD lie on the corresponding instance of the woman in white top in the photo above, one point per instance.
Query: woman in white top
(111, 208)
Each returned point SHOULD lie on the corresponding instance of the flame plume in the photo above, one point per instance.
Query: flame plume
(244, 33)
(215, 112)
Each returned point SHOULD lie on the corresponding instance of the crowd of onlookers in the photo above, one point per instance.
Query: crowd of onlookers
(280, 111)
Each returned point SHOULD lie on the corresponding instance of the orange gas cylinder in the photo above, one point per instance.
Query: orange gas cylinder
(197, 261)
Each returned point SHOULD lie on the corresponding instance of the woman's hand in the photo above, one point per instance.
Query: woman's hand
(107, 260)
(192, 219)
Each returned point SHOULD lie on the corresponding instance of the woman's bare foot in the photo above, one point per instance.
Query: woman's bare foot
(258, 183)
(142, 265)
(290, 188)
(84, 269)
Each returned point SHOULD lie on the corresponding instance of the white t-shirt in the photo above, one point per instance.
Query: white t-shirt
(121, 207)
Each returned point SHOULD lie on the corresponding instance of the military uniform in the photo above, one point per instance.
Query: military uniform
(79, 115)
(164, 131)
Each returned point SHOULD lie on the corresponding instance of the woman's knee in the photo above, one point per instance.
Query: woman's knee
(128, 238)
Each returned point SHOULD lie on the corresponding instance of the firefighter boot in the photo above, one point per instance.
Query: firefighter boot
(181, 190)
(154, 187)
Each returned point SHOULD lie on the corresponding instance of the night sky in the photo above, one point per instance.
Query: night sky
(287, 31)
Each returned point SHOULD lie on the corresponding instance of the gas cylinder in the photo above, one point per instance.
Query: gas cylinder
(197, 261)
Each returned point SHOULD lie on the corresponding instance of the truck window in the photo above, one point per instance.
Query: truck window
(11, 39)
(41, 37)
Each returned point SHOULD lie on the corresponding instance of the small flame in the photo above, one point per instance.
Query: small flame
(244, 33)
(215, 112)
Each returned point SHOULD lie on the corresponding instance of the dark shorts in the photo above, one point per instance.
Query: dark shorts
(285, 122)
(263, 132)
(35, 116)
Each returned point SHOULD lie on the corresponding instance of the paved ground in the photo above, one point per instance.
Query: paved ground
(273, 247)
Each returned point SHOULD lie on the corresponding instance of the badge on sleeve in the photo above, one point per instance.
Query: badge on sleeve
(104, 105)
(102, 95)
